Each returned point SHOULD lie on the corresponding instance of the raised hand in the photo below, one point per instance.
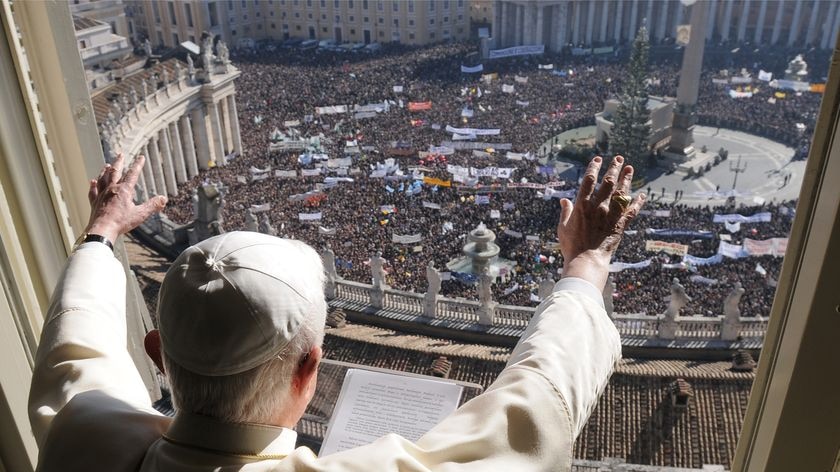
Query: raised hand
(111, 196)
(590, 229)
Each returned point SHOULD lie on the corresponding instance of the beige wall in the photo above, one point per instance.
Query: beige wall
(409, 21)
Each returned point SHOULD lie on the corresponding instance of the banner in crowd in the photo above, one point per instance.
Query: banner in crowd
(520, 79)
(495, 214)
(656, 213)
(406, 238)
(720, 81)
(763, 217)
(375, 107)
(462, 146)
(765, 76)
(666, 247)
(496, 172)
(472, 69)
(508, 88)
(513, 234)
(260, 208)
(699, 279)
(335, 180)
(522, 103)
(736, 94)
(442, 150)
(550, 193)
(768, 247)
(342, 162)
(285, 174)
(511, 289)
(480, 153)
(732, 227)
(487, 78)
(433, 206)
(509, 206)
(398, 88)
(532, 237)
(310, 172)
(362, 115)
(794, 85)
(258, 177)
(817, 88)
(482, 199)
(545, 66)
(702, 261)
(241, 179)
(331, 110)
(740, 80)
(732, 251)
(290, 145)
(467, 112)
(419, 106)
(436, 181)
(463, 137)
(475, 131)
(518, 156)
(672, 233)
(326, 231)
(291, 123)
(620, 266)
(309, 216)
(305, 196)
(517, 51)
(535, 185)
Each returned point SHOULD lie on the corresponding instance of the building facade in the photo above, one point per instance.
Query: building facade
(111, 12)
(241, 22)
(560, 23)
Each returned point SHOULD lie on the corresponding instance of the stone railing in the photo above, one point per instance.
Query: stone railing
(469, 312)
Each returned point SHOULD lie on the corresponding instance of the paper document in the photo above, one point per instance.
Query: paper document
(373, 404)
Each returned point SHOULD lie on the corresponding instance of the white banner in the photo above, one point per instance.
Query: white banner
(309, 216)
(508, 88)
(482, 199)
(331, 110)
(398, 88)
(406, 238)
(765, 76)
(463, 137)
(532, 237)
(763, 217)
(545, 66)
(732, 227)
(467, 112)
(495, 214)
(376, 107)
(442, 150)
(363, 115)
(791, 85)
(620, 266)
(260, 208)
(241, 179)
(517, 51)
(512, 233)
(699, 279)
(285, 174)
(740, 80)
(256, 177)
(326, 231)
(522, 103)
(473, 69)
(736, 94)
(291, 123)
(474, 131)
(461, 146)
(733, 251)
(433, 206)
(520, 80)
(310, 172)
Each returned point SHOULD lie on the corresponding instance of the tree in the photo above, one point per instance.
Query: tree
(631, 128)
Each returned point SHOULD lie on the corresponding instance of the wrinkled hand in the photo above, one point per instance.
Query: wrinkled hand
(111, 196)
(590, 229)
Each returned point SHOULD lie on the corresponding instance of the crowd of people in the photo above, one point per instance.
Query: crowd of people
(359, 218)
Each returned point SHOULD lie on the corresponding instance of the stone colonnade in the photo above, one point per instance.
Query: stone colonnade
(556, 23)
(200, 138)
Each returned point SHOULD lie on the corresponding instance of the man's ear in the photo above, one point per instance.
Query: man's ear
(307, 371)
(153, 349)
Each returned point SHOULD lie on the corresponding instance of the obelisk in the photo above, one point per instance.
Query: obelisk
(682, 128)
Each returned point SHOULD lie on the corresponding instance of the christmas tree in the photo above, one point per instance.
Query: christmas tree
(631, 127)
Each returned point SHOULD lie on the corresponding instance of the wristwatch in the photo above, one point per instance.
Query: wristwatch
(89, 237)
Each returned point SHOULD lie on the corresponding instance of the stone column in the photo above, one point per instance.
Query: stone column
(234, 120)
(216, 134)
(794, 25)
(177, 153)
(662, 27)
(605, 10)
(540, 22)
(528, 25)
(711, 23)
(742, 24)
(619, 20)
(777, 23)
(759, 25)
(576, 24)
(166, 161)
(203, 146)
(634, 17)
(517, 33)
(148, 175)
(678, 18)
(835, 29)
(141, 193)
(189, 147)
(828, 26)
(811, 32)
(157, 166)
(726, 26)
(590, 22)
(649, 19)
(227, 134)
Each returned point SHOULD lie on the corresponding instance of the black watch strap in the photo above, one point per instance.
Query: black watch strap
(96, 238)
